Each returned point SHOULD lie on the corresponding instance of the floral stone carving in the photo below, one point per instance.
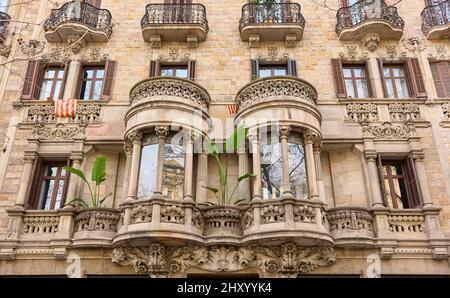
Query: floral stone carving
(404, 112)
(286, 260)
(97, 220)
(362, 112)
(389, 131)
(60, 132)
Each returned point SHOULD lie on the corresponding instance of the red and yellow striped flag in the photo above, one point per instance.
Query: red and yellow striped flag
(65, 108)
(232, 109)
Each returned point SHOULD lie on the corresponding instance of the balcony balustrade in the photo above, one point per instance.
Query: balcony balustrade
(436, 20)
(4, 21)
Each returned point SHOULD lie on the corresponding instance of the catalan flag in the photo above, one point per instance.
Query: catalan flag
(65, 108)
(232, 109)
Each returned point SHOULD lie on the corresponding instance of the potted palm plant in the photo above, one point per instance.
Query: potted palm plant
(224, 216)
(93, 220)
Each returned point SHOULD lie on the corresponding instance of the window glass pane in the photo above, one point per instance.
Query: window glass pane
(297, 171)
(349, 88)
(387, 72)
(359, 72)
(390, 89)
(46, 194)
(396, 170)
(85, 90)
(402, 89)
(147, 172)
(264, 73)
(88, 73)
(280, 71)
(46, 89)
(4, 5)
(166, 72)
(49, 74)
(398, 71)
(63, 172)
(173, 171)
(362, 88)
(271, 170)
(55, 94)
(181, 73)
(389, 198)
(347, 72)
(97, 89)
(100, 73)
(59, 194)
(50, 171)
(60, 73)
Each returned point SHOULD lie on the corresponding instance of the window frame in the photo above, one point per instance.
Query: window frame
(354, 79)
(40, 203)
(393, 78)
(54, 81)
(174, 68)
(94, 78)
(272, 67)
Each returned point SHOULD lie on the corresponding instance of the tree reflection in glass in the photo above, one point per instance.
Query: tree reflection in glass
(173, 171)
(297, 170)
(147, 172)
(271, 170)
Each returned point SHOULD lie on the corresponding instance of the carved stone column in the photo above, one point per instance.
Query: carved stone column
(188, 167)
(244, 186)
(254, 139)
(29, 159)
(422, 177)
(69, 90)
(375, 77)
(318, 163)
(136, 138)
(202, 177)
(284, 133)
(74, 180)
(374, 179)
(128, 149)
(310, 138)
(162, 132)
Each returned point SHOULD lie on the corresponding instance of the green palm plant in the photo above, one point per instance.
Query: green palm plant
(232, 144)
(98, 177)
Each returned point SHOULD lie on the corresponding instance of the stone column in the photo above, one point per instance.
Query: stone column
(162, 132)
(284, 133)
(377, 196)
(27, 172)
(74, 180)
(244, 186)
(188, 167)
(254, 139)
(136, 138)
(375, 77)
(318, 163)
(128, 149)
(202, 178)
(311, 137)
(422, 177)
(427, 75)
(70, 89)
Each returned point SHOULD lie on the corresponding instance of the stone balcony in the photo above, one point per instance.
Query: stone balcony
(369, 18)
(272, 22)
(174, 22)
(4, 21)
(69, 23)
(436, 21)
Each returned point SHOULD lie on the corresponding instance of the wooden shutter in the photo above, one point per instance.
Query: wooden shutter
(64, 80)
(255, 69)
(413, 184)
(383, 79)
(338, 75)
(292, 68)
(31, 79)
(370, 89)
(415, 78)
(34, 184)
(381, 180)
(441, 77)
(110, 68)
(96, 3)
(191, 70)
(154, 68)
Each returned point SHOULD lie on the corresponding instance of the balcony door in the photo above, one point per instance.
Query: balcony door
(177, 11)
(441, 13)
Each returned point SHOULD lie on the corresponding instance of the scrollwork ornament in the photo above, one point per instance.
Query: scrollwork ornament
(162, 131)
(135, 137)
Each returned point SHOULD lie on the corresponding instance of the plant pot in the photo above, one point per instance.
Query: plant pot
(222, 220)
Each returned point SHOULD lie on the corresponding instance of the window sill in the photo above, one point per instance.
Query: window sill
(27, 103)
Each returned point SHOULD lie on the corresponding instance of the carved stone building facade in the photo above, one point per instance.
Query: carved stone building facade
(349, 137)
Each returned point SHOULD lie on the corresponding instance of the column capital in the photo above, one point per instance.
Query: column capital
(29, 157)
(370, 156)
(311, 137)
(128, 148)
(76, 156)
(162, 131)
(317, 148)
(418, 156)
(253, 136)
(284, 131)
(135, 137)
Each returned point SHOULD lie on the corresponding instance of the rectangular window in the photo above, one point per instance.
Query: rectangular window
(355, 81)
(264, 70)
(395, 81)
(272, 70)
(271, 170)
(92, 78)
(52, 81)
(441, 77)
(4, 4)
(178, 71)
(52, 181)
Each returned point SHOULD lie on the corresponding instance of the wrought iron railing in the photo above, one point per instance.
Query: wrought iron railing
(367, 10)
(175, 14)
(435, 15)
(87, 14)
(281, 13)
(4, 21)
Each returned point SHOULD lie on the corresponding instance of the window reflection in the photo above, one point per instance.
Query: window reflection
(271, 170)
(147, 173)
(297, 170)
(173, 171)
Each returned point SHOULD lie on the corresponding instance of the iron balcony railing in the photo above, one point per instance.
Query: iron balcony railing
(4, 21)
(188, 14)
(367, 10)
(85, 13)
(280, 13)
(435, 15)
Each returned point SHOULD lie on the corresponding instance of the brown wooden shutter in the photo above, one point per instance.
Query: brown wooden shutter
(191, 70)
(370, 89)
(34, 185)
(96, 3)
(441, 77)
(413, 184)
(31, 78)
(64, 80)
(381, 180)
(292, 67)
(110, 68)
(255, 69)
(415, 78)
(154, 68)
(338, 75)
(383, 79)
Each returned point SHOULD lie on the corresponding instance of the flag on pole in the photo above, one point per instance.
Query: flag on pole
(65, 108)
(232, 109)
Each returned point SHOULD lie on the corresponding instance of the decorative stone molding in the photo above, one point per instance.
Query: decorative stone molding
(40, 114)
(404, 112)
(162, 131)
(247, 219)
(353, 53)
(128, 148)
(391, 53)
(172, 214)
(192, 41)
(253, 41)
(263, 89)
(406, 223)
(273, 55)
(197, 219)
(440, 53)
(5, 50)
(175, 55)
(290, 41)
(40, 224)
(304, 214)
(272, 214)
(286, 260)
(166, 86)
(77, 156)
(221, 220)
(446, 111)
(95, 55)
(135, 137)
(311, 136)
(45, 114)
(414, 44)
(364, 112)
(155, 41)
(350, 220)
(97, 220)
(388, 131)
(31, 47)
(76, 43)
(141, 214)
(371, 41)
(59, 132)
